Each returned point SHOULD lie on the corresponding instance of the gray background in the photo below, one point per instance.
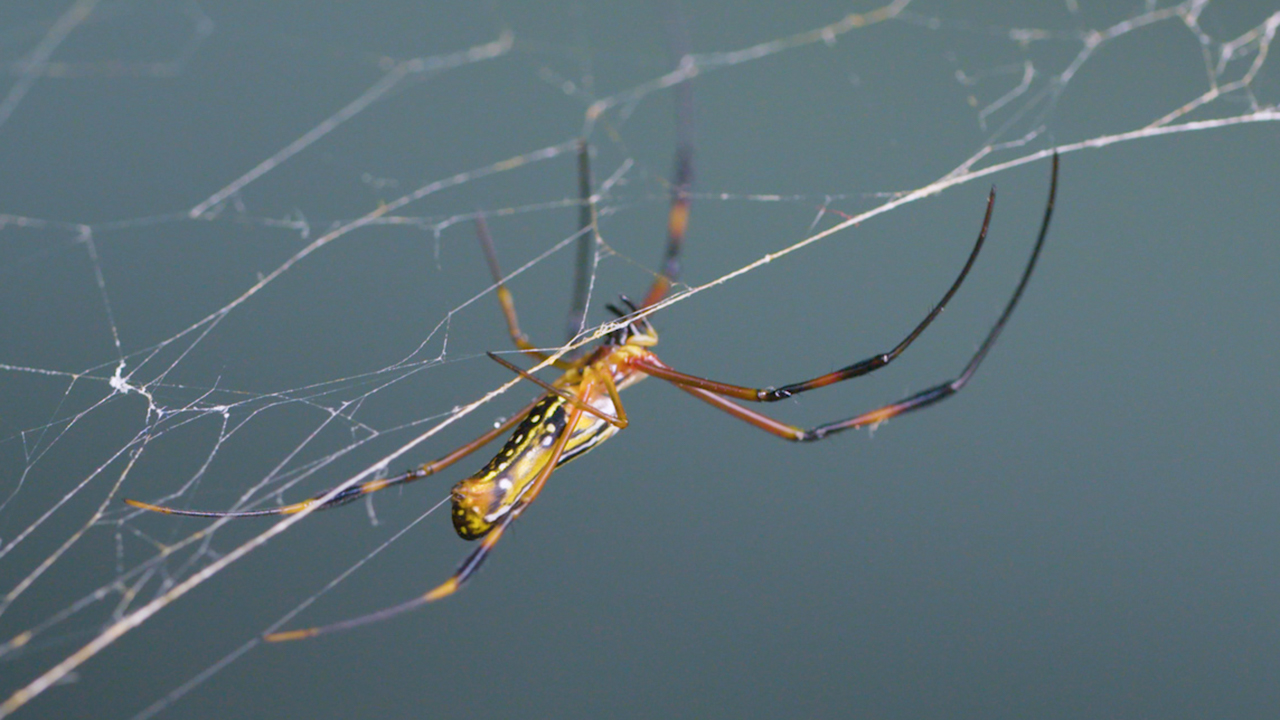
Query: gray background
(1089, 530)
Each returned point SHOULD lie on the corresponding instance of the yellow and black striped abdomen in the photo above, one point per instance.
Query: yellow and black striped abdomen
(484, 498)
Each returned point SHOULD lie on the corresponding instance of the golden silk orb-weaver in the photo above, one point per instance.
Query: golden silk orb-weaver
(582, 408)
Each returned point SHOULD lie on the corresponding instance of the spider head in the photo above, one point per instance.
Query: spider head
(636, 332)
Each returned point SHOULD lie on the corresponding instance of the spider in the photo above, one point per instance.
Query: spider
(581, 409)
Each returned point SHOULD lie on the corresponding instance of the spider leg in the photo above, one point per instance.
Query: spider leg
(682, 170)
(506, 300)
(359, 489)
(466, 569)
(678, 217)
(718, 394)
(862, 367)
(818, 432)
(588, 241)
(619, 420)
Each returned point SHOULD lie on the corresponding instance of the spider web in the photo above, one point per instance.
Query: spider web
(239, 268)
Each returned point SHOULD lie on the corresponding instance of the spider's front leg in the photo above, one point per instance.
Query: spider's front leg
(717, 394)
